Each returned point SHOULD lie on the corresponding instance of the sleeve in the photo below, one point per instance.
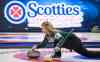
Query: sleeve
(62, 39)
(60, 42)
(43, 43)
(58, 36)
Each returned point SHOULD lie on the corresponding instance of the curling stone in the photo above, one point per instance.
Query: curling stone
(33, 54)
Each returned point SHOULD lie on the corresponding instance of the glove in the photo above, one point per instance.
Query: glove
(56, 53)
(57, 49)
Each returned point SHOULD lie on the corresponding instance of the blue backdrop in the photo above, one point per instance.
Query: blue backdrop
(90, 8)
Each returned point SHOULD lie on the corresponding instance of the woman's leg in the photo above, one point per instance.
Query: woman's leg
(75, 44)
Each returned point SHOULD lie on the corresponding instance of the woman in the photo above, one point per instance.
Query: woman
(71, 42)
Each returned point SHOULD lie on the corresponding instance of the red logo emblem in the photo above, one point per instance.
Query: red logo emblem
(16, 11)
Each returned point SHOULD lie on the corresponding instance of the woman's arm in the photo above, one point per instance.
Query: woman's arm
(43, 43)
(64, 37)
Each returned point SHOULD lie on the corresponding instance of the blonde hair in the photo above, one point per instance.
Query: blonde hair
(48, 26)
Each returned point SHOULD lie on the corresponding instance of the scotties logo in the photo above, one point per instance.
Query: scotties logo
(15, 12)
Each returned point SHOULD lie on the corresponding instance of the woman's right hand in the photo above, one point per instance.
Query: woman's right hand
(34, 47)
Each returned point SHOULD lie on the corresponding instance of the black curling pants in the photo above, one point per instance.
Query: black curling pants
(74, 43)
